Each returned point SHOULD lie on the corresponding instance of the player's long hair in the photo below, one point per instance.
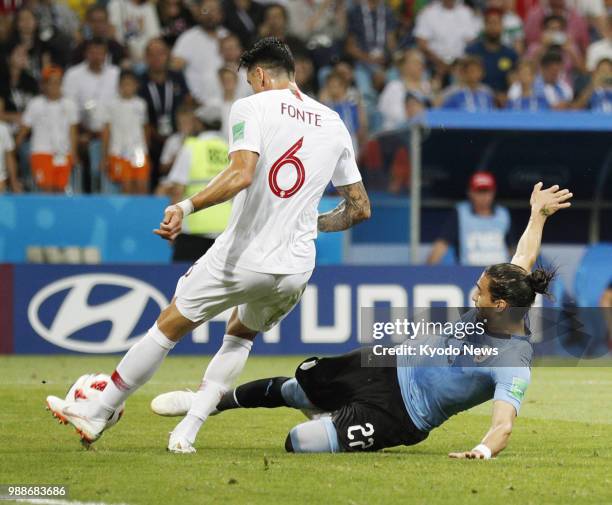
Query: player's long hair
(516, 286)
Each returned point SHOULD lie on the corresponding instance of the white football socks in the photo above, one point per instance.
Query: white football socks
(219, 377)
(135, 369)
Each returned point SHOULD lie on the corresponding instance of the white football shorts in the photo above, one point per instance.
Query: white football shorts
(263, 300)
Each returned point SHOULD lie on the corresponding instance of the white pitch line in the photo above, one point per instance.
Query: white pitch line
(54, 501)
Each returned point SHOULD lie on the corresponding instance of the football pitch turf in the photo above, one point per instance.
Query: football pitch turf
(560, 451)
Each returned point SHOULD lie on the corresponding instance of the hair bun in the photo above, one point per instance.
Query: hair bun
(539, 280)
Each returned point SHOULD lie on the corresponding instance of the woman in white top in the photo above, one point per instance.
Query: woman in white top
(411, 67)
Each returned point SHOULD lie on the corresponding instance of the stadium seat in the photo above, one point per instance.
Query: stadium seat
(593, 275)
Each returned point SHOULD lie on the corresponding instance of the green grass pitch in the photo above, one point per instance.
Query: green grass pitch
(560, 452)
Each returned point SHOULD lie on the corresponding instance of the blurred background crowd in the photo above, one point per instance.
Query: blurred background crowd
(114, 88)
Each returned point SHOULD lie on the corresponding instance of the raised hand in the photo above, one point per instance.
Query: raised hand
(548, 201)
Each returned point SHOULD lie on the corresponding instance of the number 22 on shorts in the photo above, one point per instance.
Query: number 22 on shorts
(289, 158)
(366, 430)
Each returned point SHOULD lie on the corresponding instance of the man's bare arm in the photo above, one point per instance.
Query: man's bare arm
(354, 208)
(498, 435)
(236, 177)
(544, 203)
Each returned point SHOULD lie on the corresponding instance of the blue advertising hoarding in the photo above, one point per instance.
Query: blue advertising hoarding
(105, 309)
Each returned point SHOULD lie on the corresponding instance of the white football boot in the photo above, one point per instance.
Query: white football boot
(89, 429)
(172, 404)
(179, 444)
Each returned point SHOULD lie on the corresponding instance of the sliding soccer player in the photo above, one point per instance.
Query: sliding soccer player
(373, 407)
(284, 149)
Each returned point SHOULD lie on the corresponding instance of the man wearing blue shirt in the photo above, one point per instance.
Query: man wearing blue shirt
(498, 60)
(480, 231)
(373, 407)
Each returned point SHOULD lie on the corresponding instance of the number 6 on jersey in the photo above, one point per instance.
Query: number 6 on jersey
(289, 158)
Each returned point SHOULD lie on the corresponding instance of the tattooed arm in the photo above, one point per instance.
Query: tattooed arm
(354, 208)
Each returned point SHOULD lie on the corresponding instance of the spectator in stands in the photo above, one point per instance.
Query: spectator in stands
(335, 96)
(26, 33)
(199, 161)
(470, 95)
(577, 29)
(513, 34)
(305, 74)
(523, 96)
(414, 106)
(275, 24)
(229, 85)
(90, 85)
(370, 42)
(135, 23)
(231, 49)
(412, 78)
(317, 22)
(594, 13)
(185, 127)
(243, 18)
(197, 54)
(443, 30)
(602, 48)
(551, 83)
(124, 145)
(597, 96)
(499, 60)
(55, 19)
(52, 119)
(97, 27)
(174, 18)
(554, 36)
(164, 91)
(321, 25)
(345, 68)
(478, 229)
(8, 164)
(17, 85)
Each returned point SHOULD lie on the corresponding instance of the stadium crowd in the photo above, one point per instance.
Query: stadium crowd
(116, 87)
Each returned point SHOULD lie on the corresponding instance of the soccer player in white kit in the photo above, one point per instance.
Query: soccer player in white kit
(284, 149)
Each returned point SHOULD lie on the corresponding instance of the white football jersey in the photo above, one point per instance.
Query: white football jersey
(302, 145)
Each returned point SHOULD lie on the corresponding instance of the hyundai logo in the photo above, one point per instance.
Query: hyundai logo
(74, 313)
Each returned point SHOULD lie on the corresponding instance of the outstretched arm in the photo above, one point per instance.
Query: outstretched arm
(544, 203)
(498, 435)
(354, 208)
(236, 177)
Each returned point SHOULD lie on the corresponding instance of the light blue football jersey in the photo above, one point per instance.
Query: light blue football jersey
(434, 389)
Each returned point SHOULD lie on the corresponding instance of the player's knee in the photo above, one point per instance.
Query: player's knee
(238, 329)
(294, 395)
(313, 436)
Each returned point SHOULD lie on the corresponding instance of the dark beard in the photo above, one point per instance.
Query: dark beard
(492, 39)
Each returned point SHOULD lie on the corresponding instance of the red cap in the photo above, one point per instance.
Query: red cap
(482, 181)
